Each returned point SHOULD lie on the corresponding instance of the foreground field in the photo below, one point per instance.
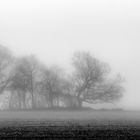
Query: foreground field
(70, 125)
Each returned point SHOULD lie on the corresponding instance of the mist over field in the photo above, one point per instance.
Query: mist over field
(97, 116)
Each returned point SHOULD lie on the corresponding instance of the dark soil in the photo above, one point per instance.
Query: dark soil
(43, 129)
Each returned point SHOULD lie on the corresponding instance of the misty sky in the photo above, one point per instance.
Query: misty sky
(54, 29)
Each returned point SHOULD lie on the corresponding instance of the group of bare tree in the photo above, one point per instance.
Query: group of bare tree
(33, 85)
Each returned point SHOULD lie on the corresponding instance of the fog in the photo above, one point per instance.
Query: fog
(54, 30)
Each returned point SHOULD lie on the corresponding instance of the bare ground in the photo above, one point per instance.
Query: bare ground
(70, 125)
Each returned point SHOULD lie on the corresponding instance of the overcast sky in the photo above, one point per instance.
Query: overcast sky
(55, 29)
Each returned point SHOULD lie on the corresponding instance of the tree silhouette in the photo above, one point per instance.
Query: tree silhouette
(90, 80)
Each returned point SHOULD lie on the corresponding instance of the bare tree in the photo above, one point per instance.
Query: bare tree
(19, 82)
(24, 77)
(90, 72)
(6, 60)
(52, 85)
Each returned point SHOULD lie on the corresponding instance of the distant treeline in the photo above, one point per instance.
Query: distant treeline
(32, 85)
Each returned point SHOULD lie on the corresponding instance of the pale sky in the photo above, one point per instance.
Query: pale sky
(54, 29)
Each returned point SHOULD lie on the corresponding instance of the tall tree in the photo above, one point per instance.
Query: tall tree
(24, 77)
(90, 73)
(19, 82)
(6, 60)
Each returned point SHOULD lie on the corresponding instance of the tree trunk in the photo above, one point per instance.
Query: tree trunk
(58, 101)
(20, 100)
(78, 102)
(11, 100)
(32, 92)
(51, 102)
(24, 100)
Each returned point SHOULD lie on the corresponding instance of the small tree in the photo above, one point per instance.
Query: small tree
(52, 84)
